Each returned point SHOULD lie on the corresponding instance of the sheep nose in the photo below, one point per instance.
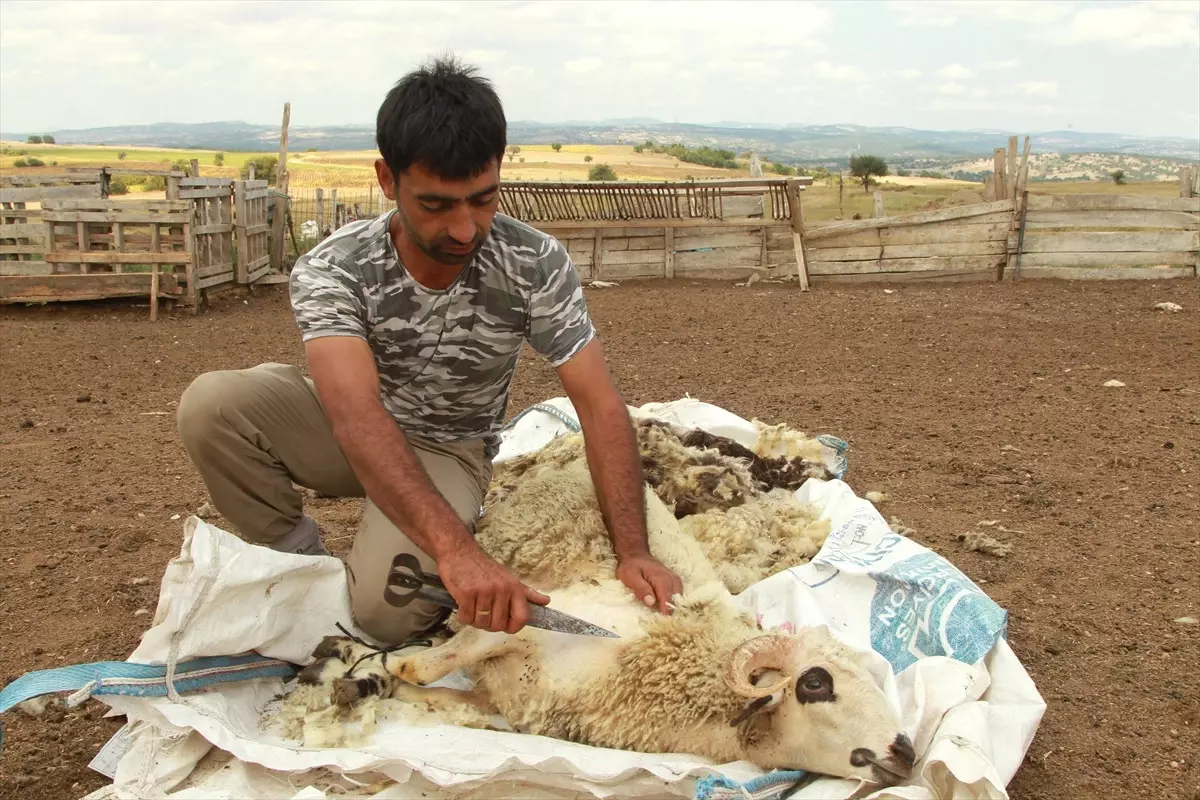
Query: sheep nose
(903, 750)
(861, 756)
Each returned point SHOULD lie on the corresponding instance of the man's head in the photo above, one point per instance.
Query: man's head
(441, 133)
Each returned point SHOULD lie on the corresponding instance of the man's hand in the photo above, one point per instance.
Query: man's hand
(489, 596)
(650, 580)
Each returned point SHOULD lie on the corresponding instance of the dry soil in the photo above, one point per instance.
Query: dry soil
(963, 403)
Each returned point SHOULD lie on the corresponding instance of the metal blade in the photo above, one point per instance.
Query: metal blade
(553, 620)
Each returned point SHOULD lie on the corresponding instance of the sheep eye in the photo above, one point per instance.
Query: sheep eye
(814, 686)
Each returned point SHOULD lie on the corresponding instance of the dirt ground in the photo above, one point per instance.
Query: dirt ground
(962, 402)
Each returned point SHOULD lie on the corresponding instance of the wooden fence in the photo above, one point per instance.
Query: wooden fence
(710, 229)
(209, 233)
(1103, 236)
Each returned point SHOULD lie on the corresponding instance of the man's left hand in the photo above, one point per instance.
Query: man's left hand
(650, 580)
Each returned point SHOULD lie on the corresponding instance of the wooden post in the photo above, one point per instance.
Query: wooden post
(194, 172)
(879, 210)
(333, 210)
(841, 192)
(997, 175)
(1023, 171)
(1185, 182)
(669, 262)
(793, 188)
(241, 213)
(598, 254)
(320, 214)
(154, 292)
(1024, 203)
(282, 203)
(1010, 185)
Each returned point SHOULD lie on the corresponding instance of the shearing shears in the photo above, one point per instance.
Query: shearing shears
(406, 573)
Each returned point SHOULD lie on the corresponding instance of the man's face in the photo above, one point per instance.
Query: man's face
(446, 220)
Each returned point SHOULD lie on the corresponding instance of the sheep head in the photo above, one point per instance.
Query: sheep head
(809, 702)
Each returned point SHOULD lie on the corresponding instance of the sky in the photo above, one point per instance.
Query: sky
(1023, 66)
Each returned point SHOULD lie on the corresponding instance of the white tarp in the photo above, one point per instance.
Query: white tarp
(937, 643)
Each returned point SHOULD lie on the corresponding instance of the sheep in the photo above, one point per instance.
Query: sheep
(541, 518)
(705, 680)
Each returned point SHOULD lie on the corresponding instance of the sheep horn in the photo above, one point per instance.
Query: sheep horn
(766, 651)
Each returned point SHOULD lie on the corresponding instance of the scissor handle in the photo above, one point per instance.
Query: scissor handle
(406, 572)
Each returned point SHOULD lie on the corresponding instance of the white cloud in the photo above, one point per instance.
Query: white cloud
(910, 73)
(990, 66)
(1135, 27)
(837, 72)
(945, 13)
(1039, 88)
(582, 66)
(951, 88)
(955, 72)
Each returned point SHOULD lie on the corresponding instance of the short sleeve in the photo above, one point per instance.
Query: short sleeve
(559, 325)
(326, 300)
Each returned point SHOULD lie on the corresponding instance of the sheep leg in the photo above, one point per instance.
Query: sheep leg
(469, 707)
(468, 646)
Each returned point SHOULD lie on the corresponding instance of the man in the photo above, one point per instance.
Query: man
(412, 325)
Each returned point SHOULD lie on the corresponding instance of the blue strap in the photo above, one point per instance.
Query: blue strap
(764, 787)
(143, 680)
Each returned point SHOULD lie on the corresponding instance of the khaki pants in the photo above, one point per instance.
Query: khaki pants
(252, 433)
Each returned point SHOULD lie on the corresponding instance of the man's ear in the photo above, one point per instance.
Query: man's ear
(387, 181)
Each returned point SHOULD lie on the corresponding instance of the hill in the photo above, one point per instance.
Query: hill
(811, 145)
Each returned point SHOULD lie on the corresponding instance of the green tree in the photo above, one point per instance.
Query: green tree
(602, 172)
(587, 159)
(121, 156)
(866, 167)
(1118, 176)
(34, 140)
(48, 140)
(265, 168)
(219, 159)
(556, 147)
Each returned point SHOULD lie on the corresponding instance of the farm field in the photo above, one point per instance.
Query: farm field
(963, 402)
(353, 175)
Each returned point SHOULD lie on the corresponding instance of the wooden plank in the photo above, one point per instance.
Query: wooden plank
(51, 179)
(22, 230)
(204, 183)
(619, 272)
(553, 227)
(710, 229)
(1112, 202)
(1094, 259)
(118, 204)
(47, 288)
(37, 194)
(131, 217)
(735, 238)
(218, 227)
(686, 263)
(796, 222)
(948, 276)
(113, 257)
(1107, 273)
(976, 210)
(1110, 242)
(1180, 220)
(993, 247)
(15, 249)
(25, 268)
(954, 232)
(201, 194)
(943, 263)
(625, 257)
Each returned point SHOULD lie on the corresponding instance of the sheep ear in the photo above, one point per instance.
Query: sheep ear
(755, 706)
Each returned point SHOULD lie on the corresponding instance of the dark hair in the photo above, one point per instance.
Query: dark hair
(443, 117)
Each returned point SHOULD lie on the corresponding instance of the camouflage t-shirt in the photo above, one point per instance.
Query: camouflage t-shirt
(445, 357)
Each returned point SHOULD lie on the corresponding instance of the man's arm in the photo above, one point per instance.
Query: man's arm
(616, 468)
(346, 380)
